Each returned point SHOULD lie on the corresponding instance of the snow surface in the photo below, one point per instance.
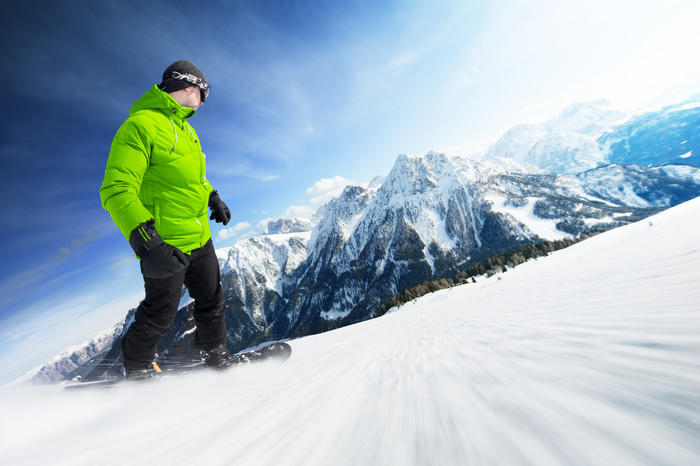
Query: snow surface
(588, 356)
(542, 227)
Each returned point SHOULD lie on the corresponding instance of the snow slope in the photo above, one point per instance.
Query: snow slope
(588, 356)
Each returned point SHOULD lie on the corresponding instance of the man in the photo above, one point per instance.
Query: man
(156, 191)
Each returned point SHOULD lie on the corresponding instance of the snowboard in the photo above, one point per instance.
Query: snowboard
(274, 351)
(279, 351)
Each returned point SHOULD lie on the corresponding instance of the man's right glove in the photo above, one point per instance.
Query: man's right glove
(219, 210)
(158, 258)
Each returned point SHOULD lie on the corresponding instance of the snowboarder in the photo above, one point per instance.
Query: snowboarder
(156, 191)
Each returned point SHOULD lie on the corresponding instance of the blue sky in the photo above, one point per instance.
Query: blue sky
(307, 96)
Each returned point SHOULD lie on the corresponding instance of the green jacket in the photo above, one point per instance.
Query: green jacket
(156, 170)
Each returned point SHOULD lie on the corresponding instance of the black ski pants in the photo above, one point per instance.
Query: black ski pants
(156, 313)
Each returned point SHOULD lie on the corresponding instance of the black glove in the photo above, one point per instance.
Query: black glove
(219, 211)
(158, 258)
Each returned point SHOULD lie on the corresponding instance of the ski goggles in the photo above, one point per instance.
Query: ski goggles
(204, 88)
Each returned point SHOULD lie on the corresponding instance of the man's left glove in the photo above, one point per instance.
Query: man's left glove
(219, 210)
(158, 258)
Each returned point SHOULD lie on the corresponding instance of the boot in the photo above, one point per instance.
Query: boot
(139, 373)
(217, 358)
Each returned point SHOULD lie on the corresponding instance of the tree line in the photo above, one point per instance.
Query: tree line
(498, 263)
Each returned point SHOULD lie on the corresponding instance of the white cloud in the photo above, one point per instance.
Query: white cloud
(66, 251)
(298, 211)
(326, 189)
(232, 231)
(122, 262)
(318, 194)
(469, 149)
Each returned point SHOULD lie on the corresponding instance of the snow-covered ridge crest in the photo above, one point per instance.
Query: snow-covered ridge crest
(421, 192)
(341, 217)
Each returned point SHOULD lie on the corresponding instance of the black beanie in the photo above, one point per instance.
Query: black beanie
(171, 84)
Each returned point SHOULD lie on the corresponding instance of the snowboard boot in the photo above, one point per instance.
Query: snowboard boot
(141, 373)
(218, 358)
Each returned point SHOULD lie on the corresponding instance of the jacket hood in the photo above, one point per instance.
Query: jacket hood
(155, 99)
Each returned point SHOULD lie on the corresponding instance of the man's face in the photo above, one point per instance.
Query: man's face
(194, 98)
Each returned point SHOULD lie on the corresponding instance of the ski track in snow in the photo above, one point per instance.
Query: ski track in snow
(590, 356)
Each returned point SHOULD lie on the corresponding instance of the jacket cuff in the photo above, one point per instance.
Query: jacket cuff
(144, 238)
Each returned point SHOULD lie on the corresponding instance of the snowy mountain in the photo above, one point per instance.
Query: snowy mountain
(588, 356)
(516, 143)
(589, 135)
(565, 144)
(257, 274)
(633, 185)
(431, 217)
(566, 152)
(294, 225)
(86, 358)
(590, 118)
(667, 136)
(75, 358)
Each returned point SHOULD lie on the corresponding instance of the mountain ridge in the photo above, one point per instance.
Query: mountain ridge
(591, 134)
